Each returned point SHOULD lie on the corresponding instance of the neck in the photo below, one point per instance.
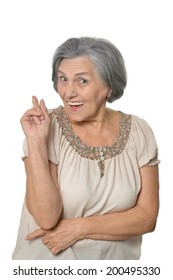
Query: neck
(95, 123)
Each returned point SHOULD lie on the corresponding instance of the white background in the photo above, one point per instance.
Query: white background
(30, 30)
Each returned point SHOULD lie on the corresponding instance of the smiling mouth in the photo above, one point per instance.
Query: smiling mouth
(75, 106)
(75, 103)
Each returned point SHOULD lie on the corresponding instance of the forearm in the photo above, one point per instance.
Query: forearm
(107, 237)
(118, 226)
(43, 198)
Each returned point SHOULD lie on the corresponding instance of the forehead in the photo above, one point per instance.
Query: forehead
(78, 64)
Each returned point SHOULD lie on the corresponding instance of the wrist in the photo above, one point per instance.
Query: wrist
(37, 148)
(83, 228)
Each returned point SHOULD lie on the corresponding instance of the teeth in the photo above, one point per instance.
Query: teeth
(75, 103)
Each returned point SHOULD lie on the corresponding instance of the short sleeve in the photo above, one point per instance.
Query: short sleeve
(25, 149)
(53, 140)
(145, 142)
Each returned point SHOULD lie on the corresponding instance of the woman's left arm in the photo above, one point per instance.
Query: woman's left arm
(115, 226)
(136, 221)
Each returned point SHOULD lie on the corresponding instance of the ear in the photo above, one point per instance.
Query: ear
(110, 93)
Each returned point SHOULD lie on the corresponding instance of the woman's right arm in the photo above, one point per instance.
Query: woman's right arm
(43, 197)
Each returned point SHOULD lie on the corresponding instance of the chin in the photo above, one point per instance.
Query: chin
(76, 119)
(75, 115)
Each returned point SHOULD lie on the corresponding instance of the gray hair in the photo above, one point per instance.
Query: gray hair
(106, 57)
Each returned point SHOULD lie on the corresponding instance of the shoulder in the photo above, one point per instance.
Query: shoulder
(145, 142)
(140, 125)
(55, 111)
(140, 130)
(55, 114)
(131, 122)
(142, 133)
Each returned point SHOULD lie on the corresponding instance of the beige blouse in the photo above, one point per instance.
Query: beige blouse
(93, 181)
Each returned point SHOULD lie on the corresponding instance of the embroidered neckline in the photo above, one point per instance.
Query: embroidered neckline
(99, 153)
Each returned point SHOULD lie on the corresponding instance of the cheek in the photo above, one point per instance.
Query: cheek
(99, 99)
(60, 91)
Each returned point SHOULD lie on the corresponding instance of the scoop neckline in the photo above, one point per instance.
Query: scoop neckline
(120, 139)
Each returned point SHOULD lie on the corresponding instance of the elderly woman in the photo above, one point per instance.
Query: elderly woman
(92, 185)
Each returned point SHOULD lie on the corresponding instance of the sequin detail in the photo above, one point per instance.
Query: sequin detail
(100, 153)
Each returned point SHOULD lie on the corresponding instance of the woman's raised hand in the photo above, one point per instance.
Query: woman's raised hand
(36, 121)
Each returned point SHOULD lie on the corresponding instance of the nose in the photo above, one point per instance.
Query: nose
(71, 90)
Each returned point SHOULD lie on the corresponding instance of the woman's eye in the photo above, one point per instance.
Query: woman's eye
(83, 81)
(62, 79)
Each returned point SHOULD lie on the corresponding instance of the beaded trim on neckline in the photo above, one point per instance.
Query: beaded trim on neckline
(99, 153)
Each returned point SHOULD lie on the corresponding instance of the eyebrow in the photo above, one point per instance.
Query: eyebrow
(77, 74)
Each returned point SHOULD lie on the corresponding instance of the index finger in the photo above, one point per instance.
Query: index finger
(40, 232)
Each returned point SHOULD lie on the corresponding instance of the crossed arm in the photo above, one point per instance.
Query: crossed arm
(115, 226)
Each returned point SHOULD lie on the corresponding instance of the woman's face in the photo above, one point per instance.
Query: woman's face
(82, 90)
